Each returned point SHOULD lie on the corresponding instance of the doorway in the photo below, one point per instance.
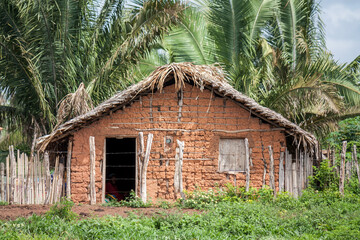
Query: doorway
(120, 167)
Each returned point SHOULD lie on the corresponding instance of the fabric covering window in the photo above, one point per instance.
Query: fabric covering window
(232, 157)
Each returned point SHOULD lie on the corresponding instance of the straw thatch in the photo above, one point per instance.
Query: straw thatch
(200, 75)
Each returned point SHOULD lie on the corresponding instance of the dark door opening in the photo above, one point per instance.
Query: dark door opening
(120, 167)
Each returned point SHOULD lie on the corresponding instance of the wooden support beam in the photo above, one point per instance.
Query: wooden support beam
(272, 170)
(342, 168)
(145, 163)
(265, 167)
(92, 170)
(103, 174)
(68, 169)
(178, 180)
(247, 165)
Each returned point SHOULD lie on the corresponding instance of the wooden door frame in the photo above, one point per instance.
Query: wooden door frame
(104, 163)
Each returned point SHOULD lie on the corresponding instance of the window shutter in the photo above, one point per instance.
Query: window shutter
(232, 155)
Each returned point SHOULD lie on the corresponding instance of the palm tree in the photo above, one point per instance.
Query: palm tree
(49, 48)
(273, 51)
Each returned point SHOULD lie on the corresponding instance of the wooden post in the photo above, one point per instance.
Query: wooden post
(2, 177)
(36, 180)
(48, 178)
(294, 180)
(272, 171)
(29, 182)
(68, 172)
(287, 171)
(281, 172)
(141, 158)
(21, 178)
(13, 173)
(356, 162)
(54, 182)
(26, 169)
(342, 168)
(144, 167)
(60, 178)
(178, 181)
(92, 170)
(7, 179)
(301, 173)
(103, 174)
(265, 167)
(247, 165)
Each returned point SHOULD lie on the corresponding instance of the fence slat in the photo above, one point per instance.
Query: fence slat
(8, 179)
(342, 168)
(281, 172)
(48, 177)
(13, 174)
(2, 183)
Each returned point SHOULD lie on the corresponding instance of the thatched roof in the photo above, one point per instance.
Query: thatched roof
(200, 75)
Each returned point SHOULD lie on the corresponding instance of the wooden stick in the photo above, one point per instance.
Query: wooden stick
(48, 178)
(36, 180)
(281, 172)
(144, 167)
(26, 169)
(7, 179)
(294, 180)
(342, 168)
(60, 178)
(301, 173)
(40, 176)
(68, 169)
(247, 165)
(178, 180)
(272, 171)
(92, 170)
(103, 174)
(141, 158)
(356, 162)
(54, 182)
(2, 178)
(265, 167)
(13, 173)
(30, 182)
(43, 181)
(21, 178)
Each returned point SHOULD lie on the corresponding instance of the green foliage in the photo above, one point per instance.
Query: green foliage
(63, 210)
(349, 130)
(324, 177)
(315, 215)
(2, 203)
(131, 201)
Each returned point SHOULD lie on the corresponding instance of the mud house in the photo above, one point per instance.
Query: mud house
(183, 126)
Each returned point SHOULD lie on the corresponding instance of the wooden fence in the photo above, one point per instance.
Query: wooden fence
(28, 181)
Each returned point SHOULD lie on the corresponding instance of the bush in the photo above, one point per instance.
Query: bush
(324, 177)
(63, 210)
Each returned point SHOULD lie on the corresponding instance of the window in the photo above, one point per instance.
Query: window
(232, 155)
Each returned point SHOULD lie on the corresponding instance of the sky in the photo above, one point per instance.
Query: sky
(342, 28)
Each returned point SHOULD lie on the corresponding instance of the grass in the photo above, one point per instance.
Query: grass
(315, 215)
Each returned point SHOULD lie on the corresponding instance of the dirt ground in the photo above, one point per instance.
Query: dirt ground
(11, 212)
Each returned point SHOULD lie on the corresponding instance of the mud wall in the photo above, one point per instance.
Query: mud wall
(202, 120)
